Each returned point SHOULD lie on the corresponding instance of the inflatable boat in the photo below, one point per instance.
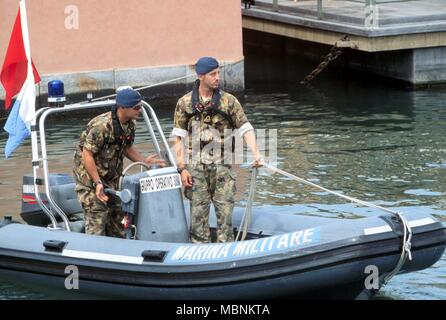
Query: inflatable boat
(282, 255)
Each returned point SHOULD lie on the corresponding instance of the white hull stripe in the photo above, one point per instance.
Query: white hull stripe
(139, 260)
(102, 256)
(377, 230)
(412, 224)
(421, 222)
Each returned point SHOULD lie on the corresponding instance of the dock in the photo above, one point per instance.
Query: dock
(408, 38)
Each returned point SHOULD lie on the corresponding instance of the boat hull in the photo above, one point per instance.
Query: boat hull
(330, 265)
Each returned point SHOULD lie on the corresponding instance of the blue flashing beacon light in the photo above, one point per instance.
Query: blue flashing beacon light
(56, 92)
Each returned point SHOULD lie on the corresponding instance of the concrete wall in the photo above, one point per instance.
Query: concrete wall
(430, 65)
(126, 35)
(419, 67)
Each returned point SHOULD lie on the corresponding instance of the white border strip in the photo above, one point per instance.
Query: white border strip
(102, 256)
(375, 230)
(139, 260)
(413, 224)
(160, 183)
(421, 222)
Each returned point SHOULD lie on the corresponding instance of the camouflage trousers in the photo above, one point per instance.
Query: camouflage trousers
(211, 183)
(101, 219)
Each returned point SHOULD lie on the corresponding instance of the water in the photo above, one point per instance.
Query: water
(358, 135)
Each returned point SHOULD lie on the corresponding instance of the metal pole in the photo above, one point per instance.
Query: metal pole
(36, 164)
(276, 5)
(161, 133)
(320, 14)
(152, 133)
(46, 175)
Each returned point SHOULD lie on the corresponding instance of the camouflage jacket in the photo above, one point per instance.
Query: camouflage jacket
(205, 126)
(108, 155)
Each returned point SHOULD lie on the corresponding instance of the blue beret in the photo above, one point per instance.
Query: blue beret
(205, 65)
(128, 98)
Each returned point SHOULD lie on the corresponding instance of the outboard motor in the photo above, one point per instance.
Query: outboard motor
(157, 205)
(56, 94)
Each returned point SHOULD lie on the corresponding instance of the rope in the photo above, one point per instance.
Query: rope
(158, 84)
(407, 231)
(145, 87)
(246, 220)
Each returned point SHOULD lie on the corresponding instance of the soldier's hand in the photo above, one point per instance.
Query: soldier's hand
(258, 162)
(101, 194)
(186, 178)
(155, 160)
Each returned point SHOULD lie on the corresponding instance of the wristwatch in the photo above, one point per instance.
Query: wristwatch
(95, 184)
(181, 169)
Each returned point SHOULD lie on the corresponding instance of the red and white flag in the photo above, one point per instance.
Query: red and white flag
(19, 75)
(15, 67)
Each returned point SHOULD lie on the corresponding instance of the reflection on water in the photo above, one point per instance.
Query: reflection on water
(366, 139)
(10, 291)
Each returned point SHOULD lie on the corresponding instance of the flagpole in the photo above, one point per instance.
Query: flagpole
(25, 33)
(33, 127)
(30, 76)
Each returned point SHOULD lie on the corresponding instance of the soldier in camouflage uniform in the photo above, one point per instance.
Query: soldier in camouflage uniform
(98, 163)
(204, 115)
